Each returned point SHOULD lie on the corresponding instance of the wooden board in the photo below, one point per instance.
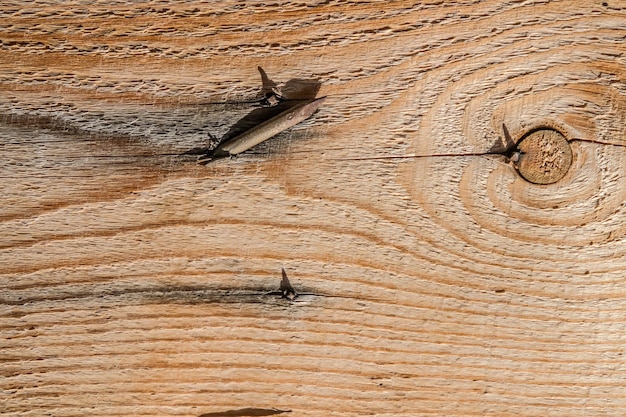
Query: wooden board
(134, 281)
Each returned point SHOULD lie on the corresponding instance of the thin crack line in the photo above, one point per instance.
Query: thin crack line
(368, 158)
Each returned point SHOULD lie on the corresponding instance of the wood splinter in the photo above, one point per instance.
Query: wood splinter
(265, 130)
(286, 289)
(288, 292)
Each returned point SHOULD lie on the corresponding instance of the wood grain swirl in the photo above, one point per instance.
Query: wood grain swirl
(136, 282)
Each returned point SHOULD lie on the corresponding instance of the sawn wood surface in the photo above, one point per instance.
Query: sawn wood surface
(436, 281)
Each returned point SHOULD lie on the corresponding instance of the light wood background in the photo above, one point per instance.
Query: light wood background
(133, 280)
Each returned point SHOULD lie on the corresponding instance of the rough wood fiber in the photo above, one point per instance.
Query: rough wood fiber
(133, 281)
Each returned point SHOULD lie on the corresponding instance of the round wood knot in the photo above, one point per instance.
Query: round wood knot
(544, 156)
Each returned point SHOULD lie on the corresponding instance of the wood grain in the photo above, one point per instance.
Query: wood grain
(135, 281)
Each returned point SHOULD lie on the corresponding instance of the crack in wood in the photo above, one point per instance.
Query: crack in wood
(503, 153)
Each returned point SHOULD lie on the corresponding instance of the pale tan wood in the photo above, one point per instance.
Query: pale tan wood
(134, 281)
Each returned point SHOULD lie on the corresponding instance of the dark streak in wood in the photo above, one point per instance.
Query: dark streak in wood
(151, 295)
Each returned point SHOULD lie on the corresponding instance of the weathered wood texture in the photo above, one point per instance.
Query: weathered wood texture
(133, 279)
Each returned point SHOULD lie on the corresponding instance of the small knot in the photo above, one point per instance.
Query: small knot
(544, 156)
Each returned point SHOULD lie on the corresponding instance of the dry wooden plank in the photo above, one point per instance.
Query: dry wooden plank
(135, 281)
